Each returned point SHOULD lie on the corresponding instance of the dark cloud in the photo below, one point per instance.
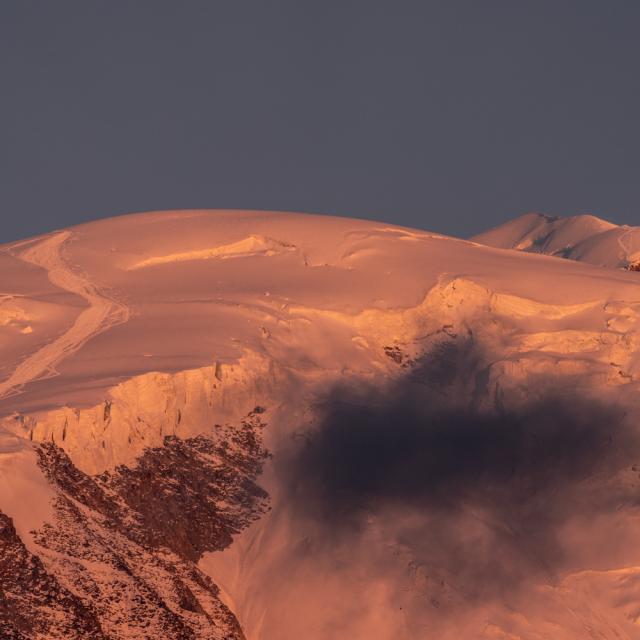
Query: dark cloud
(482, 494)
(393, 449)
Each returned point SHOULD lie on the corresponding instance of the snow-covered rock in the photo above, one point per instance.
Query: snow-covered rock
(584, 238)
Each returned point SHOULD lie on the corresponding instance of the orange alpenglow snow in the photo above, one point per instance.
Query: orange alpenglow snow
(274, 426)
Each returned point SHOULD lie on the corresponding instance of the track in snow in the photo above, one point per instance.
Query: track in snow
(623, 245)
(102, 313)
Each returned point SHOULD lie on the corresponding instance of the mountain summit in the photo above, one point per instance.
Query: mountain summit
(273, 426)
(584, 238)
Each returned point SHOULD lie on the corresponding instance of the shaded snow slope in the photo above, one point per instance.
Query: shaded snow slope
(584, 238)
(162, 375)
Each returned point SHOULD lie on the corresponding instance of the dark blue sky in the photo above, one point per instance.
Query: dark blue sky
(447, 115)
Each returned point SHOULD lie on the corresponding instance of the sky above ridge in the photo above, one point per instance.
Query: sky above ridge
(448, 116)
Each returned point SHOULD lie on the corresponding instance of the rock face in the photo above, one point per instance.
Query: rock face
(276, 426)
(125, 544)
(33, 603)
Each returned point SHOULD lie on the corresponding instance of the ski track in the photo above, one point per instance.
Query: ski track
(623, 245)
(102, 313)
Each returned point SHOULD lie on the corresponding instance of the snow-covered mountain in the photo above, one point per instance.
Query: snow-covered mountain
(584, 238)
(273, 426)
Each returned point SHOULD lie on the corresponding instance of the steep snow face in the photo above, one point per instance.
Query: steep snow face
(584, 238)
(167, 378)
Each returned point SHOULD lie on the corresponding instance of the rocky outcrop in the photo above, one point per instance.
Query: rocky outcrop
(33, 603)
(118, 560)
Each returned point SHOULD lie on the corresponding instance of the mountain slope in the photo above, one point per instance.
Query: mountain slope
(584, 238)
(229, 424)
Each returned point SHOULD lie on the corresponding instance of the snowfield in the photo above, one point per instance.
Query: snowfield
(273, 426)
